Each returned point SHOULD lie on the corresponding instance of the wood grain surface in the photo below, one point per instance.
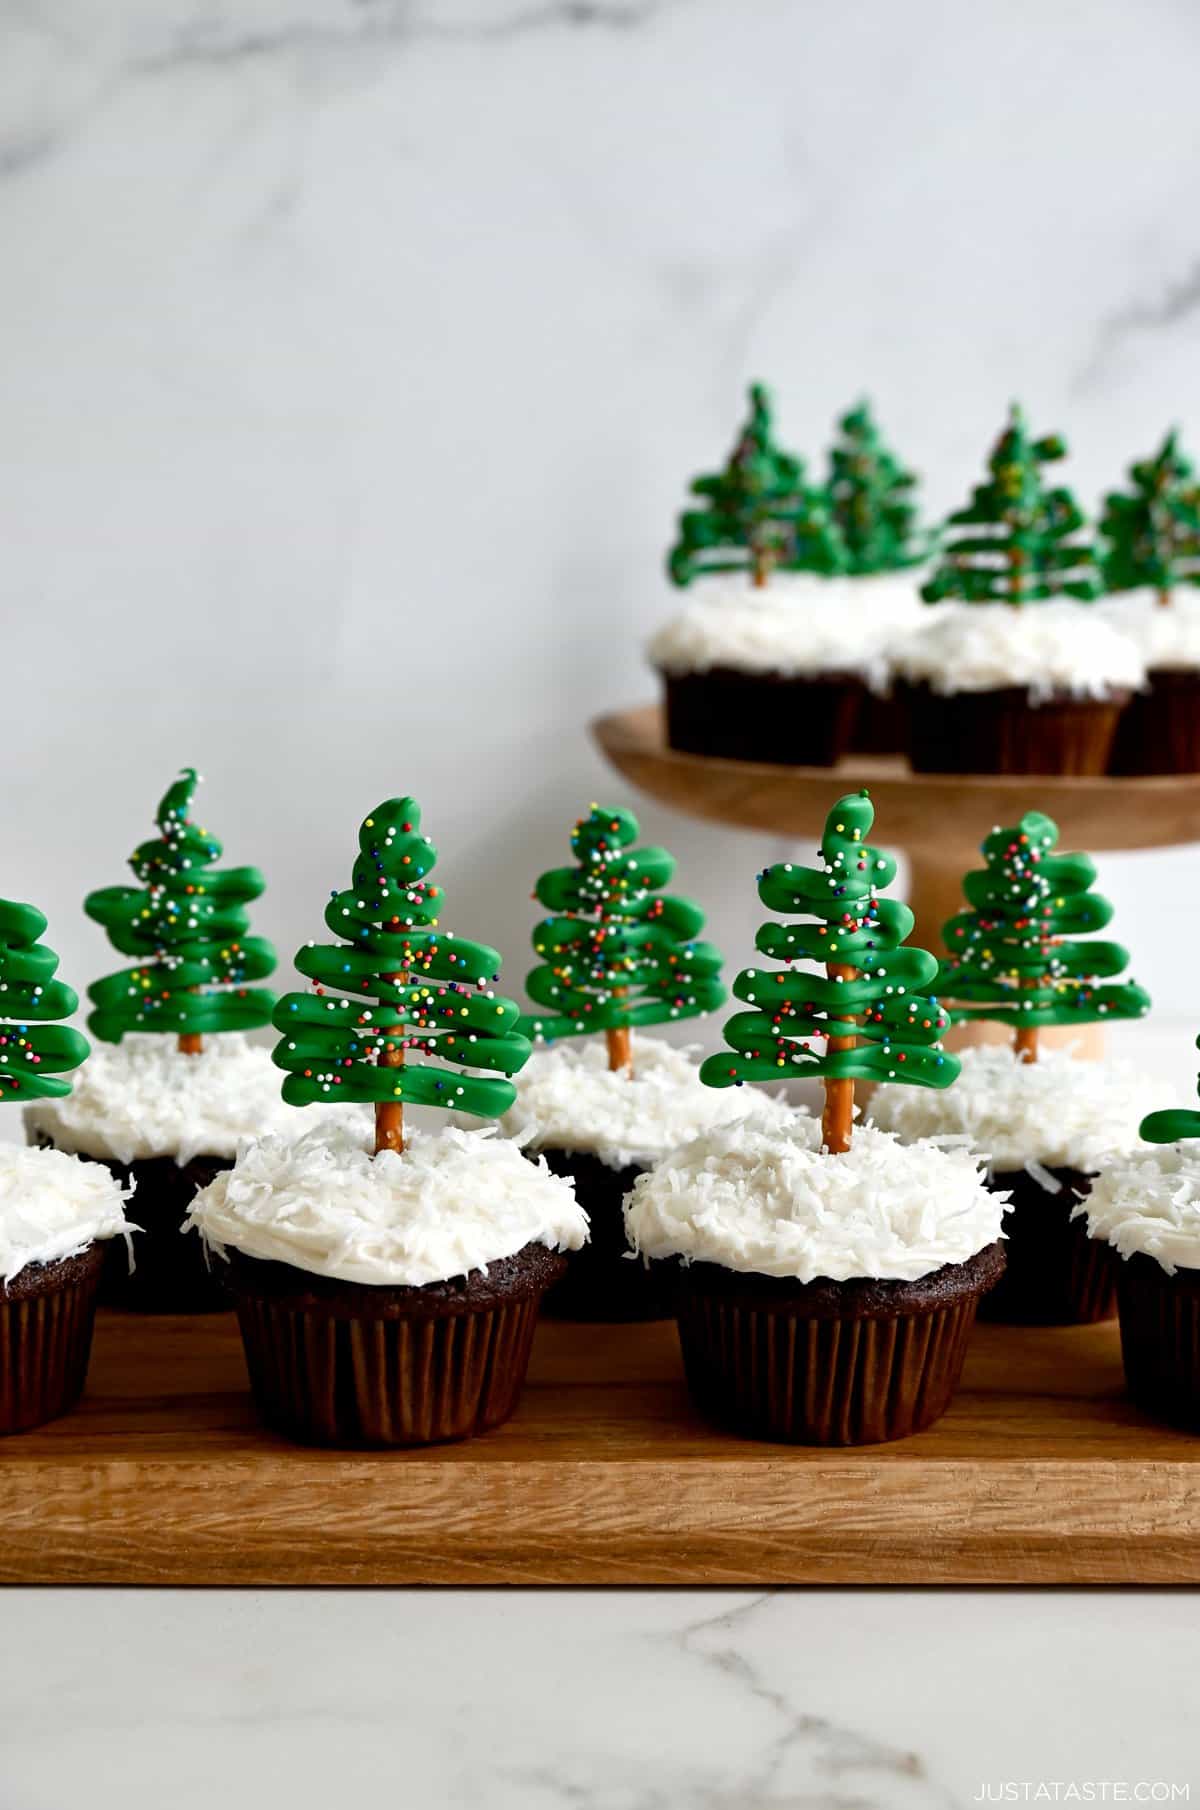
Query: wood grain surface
(1042, 1473)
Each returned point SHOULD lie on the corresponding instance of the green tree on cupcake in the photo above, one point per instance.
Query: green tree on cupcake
(1019, 956)
(867, 1015)
(35, 1051)
(1017, 540)
(1151, 533)
(757, 513)
(415, 990)
(186, 925)
(873, 499)
(617, 952)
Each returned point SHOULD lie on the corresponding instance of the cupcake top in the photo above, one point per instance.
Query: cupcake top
(454, 1202)
(799, 624)
(142, 1098)
(1055, 1111)
(568, 1099)
(1166, 636)
(53, 1206)
(1149, 1205)
(1046, 647)
(771, 1202)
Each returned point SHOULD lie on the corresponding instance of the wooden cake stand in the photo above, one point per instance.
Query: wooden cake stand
(939, 820)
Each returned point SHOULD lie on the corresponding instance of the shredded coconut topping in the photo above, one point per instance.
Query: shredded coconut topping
(1049, 647)
(1150, 1204)
(141, 1098)
(1055, 1111)
(54, 1206)
(454, 1202)
(567, 1099)
(803, 626)
(772, 1202)
(1166, 637)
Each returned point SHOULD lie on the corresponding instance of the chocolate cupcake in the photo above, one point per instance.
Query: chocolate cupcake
(1159, 730)
(387, 1299)
(165, 1107)
(824, 1299)
(1022, 957)
(603, 1128)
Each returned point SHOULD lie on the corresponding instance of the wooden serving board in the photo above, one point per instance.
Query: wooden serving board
(1041, 1473)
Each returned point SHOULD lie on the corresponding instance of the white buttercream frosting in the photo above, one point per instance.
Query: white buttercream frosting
(454, 1202)
(1150, 1205)
(797, 626)
(567, 1099)
(1166, 637)
(141, 1098)
(1056, 1111)
(54, 1206)
(772, 1202)
(1048, 647)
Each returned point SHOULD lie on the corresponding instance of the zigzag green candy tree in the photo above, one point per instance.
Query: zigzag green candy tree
(873, 501)
(1016, 546)
(34, 1051)
(1153, 536)
(869, 1009)
(758, 513)
(428, 992)
(186, 923)
(617, 952)
(1015, 957)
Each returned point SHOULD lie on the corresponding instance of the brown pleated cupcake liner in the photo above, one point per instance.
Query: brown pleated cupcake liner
(170, 1274)
(1001, 731)
(800, 722)
(343, 1365)
(783, 1373)
(1159, 730)
(881, 725)
(1160, 1339)
(46, 1318)
(1055, 1274)
(603, 1281)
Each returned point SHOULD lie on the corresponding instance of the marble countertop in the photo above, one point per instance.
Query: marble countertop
(609, 1700)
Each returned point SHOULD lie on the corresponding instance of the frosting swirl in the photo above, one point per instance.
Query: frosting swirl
(421, 980)
(869, 1006)
(1016, 955)
(34, 1053)
(186, 924)
(618, 952)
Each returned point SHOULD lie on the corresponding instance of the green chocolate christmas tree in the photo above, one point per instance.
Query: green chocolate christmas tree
(868, 1010)
(186, 924)
(34, 1051)
(873, 500)
(617, 952)
(1171, 1124)
(1152, 535)
(757, 513)
(1014, 543)
(1016, 956)
(416, 989)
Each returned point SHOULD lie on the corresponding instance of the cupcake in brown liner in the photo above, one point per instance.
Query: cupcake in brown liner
(1146, 1212)
(602, 1128)
(1159, 730)
(823, 1299)
(389, 1299)
(1022, 956)
(56, 1217)
(991, 689)
(165, 1123)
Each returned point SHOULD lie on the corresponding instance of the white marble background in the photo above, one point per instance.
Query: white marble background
(354, 353)
(611, 1700)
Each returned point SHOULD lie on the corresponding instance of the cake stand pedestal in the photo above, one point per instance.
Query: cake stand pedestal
(939, 820)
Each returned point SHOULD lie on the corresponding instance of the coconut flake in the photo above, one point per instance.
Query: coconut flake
(1149, 1205)
(805, 625)
(1057, 1111)
(54, 1206)
(454, 1202)
(1048, 647)
(770, 1201)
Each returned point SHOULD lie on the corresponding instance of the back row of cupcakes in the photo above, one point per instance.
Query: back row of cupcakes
(1046, 651)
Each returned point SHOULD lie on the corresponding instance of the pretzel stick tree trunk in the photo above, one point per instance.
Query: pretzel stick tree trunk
(389, 1114)
(838, 1116)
